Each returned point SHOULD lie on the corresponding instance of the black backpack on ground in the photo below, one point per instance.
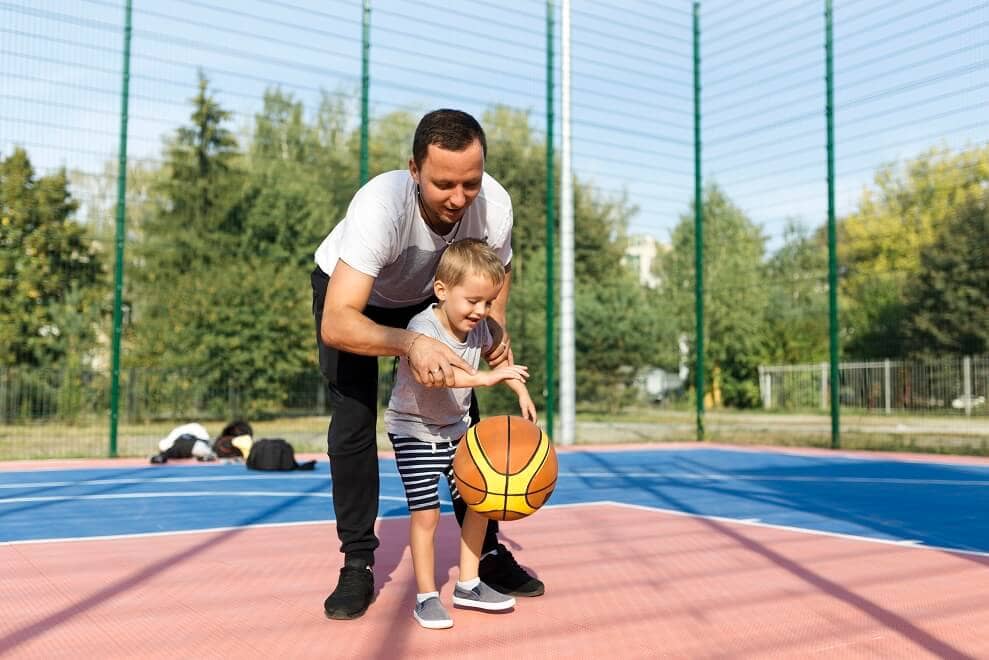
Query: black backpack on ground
(275, 454)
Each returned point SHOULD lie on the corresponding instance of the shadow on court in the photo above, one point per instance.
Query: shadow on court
(20, 636)
(662, 497)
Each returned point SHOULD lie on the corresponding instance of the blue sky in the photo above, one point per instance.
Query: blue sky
(909, 75)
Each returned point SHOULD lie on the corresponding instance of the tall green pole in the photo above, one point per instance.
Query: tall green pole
(550, 223)
(365, 85)
(832, 241)
(118, 269)
(698, 229)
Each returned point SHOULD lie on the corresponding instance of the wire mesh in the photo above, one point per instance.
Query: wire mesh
(208, 290)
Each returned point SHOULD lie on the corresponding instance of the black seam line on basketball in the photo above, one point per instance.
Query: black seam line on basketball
(480, 447)
(540, 467)
(508, 465)
(529, 460)
(469, 484)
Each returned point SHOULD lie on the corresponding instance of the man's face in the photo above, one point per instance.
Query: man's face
(449, 181)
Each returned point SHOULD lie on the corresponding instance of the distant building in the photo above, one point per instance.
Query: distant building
(639, 257)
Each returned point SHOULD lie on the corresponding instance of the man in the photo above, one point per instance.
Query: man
(373, 273)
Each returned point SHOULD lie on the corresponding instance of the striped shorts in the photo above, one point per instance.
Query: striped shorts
(420, 465)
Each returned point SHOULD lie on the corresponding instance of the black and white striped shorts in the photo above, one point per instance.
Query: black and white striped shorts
(420, 465)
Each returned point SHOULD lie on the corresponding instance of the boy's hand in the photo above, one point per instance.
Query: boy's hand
(507, 372)
(527, 407)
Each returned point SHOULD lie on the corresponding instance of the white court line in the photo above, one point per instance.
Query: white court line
(164, 494)
(716, 476)
(800, 530)
(752, 522)
(161, 480)
(210, 530)
(686, 476)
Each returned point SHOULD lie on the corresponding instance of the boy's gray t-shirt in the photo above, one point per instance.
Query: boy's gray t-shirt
(434, 414)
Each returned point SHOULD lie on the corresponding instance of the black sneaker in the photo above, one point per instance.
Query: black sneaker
(354, 592)
(501, 572)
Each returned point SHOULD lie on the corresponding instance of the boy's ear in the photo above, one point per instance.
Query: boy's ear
(440, 290)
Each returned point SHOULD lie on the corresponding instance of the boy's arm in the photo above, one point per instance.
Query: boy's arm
(526, 406)
(515, 373)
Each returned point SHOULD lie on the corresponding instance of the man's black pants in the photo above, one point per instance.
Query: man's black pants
(351, 442)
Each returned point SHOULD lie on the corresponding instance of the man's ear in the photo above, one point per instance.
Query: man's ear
(440, 290)
(413, 170)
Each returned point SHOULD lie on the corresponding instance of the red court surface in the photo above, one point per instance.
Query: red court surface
(621, 583)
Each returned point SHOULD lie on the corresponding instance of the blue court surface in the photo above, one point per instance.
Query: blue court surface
(939, 505)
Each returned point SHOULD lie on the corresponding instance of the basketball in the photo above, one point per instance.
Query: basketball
(505, 468)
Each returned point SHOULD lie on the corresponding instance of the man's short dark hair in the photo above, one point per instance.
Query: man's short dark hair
(453, 130)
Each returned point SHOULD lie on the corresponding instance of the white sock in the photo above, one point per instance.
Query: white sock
(469, 584)
(490, 553)
(422, 598)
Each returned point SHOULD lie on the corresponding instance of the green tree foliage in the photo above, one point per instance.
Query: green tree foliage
(948, 299)
(736, 296)
(286, 202)
(612, 345)
(222, 293)
(797, 308)
(50, 271)
(880, 244)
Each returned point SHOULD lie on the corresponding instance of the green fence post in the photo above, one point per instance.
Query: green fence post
(698, 229)
(550, 222)
(118, 270)
(832, 242)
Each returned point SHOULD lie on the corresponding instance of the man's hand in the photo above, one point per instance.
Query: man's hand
(433, 362)
(501, 350)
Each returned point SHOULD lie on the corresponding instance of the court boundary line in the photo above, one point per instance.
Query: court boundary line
(755, 522)
(597, 474)
(750, 522)
(211, 530)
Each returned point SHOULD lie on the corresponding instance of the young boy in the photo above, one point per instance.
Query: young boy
(426, 423)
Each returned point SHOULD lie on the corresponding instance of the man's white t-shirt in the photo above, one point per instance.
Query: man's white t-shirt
(385, 236)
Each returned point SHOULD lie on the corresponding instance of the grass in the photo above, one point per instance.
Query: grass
(942, 435)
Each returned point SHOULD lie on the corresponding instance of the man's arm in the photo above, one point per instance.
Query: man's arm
(345, 327)
(501, 350)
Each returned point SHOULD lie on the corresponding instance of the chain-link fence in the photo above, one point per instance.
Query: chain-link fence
(246, 134)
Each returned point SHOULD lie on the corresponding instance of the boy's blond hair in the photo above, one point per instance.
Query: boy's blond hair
(469, 256)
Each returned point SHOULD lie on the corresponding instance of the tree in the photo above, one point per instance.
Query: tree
(797, 306)
(198, 220)
(51, 274)
(735, 295)
(948, 299)
(879, 245)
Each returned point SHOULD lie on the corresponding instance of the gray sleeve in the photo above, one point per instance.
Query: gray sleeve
(421, 323)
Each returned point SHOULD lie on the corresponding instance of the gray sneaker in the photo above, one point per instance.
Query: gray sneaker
(482, 597)
(430, 613)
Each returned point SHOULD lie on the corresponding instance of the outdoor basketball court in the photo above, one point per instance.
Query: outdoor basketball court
(672, 551)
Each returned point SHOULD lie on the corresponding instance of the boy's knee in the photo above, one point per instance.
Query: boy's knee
(426, 518)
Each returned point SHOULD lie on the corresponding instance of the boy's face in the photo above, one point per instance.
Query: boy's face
(468, 303)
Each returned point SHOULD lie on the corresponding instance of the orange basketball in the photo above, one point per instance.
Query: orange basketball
(505, 468)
